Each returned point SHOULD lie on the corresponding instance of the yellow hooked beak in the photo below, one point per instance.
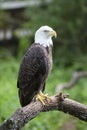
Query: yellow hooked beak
(53, 33)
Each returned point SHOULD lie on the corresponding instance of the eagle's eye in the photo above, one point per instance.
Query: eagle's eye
(46, 31)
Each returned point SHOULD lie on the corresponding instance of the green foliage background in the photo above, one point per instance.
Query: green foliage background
(69, 19)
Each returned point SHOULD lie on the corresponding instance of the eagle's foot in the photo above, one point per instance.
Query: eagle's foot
(42, 97)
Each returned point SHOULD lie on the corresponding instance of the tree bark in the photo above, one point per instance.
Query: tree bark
(58, 102)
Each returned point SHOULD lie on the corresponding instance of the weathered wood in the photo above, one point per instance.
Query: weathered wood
(25, 114)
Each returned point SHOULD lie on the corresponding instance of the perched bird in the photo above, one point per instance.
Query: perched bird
(35, 67)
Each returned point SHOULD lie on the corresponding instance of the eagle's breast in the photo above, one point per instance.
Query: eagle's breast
(49, 58)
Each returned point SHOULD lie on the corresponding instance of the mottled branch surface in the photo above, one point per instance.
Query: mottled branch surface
(58, 102)
(76, 76)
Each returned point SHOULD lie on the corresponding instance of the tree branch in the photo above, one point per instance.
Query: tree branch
(58, 102)
(75, 77)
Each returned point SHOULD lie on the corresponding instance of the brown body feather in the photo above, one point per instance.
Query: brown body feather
(33, 72)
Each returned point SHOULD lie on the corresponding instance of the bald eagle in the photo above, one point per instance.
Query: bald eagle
(35, 67)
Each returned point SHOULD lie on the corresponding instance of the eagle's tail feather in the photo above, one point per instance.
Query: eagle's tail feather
(24, 100)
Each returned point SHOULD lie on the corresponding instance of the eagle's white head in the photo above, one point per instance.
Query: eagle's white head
(43, 36)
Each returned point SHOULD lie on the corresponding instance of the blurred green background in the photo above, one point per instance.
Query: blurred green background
(17, 28)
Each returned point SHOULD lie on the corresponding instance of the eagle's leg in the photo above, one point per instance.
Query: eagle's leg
(42, 97)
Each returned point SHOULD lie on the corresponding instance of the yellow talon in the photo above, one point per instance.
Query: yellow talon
(42, 97)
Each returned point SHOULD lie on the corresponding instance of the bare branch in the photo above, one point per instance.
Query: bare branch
(75, 77)
(58, 102)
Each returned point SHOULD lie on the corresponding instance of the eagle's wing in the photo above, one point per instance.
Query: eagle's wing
(31, 74)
